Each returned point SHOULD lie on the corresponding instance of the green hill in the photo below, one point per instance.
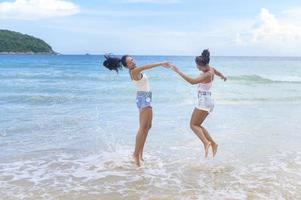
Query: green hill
(14, 42)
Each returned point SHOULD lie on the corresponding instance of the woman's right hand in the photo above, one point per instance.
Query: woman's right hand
(165, 64)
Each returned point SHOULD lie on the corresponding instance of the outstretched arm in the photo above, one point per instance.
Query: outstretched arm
(137, 70)
(189, 79)
(219, 74)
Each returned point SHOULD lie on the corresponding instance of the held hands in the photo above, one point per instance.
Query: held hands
(169, 65)
(174, 68)
(165, 64)
(224, 78)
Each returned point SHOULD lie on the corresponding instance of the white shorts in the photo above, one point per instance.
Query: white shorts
(205, 101)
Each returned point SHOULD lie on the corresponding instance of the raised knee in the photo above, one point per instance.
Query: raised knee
(192, 126)
(149, 126)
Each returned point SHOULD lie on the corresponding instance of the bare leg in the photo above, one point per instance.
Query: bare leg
(150, 118)
(142, 133)
(197, 118)
(139, 137)
(213, 143)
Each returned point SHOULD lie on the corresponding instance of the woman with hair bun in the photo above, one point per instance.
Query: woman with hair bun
(205, 102)
(144, 95)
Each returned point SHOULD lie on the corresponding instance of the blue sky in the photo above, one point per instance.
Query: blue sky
(154, 27)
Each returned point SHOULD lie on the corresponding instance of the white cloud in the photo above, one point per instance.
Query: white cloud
(293, 13)
(37, 9)
(154, 1)
(271, 32)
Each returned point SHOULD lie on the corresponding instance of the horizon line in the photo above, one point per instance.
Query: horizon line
(168, 55)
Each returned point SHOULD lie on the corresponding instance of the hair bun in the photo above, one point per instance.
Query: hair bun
(206, 56)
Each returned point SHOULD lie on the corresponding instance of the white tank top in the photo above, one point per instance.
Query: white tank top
(142, 84)
(205, 87)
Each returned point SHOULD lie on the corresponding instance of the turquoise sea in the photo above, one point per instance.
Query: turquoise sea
(68, 126)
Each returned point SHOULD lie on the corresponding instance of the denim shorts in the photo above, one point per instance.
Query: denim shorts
(205, 101)
(143, 99)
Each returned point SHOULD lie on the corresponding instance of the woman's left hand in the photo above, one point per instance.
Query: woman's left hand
(174, 68)
(165, 64)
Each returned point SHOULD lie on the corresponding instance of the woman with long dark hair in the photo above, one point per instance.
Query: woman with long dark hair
(144, 95)
(205, 102)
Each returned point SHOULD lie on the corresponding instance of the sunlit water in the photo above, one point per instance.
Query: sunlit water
(67, 131)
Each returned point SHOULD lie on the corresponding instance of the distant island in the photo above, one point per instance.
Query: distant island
(17, 43)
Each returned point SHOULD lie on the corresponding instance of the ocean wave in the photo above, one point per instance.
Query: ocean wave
(42, 99)
(61, 77)
(262, 79)
(261, 99)
(112, 175)
(253, 78)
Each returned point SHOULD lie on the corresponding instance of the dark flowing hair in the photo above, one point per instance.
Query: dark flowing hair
(203, 59)
(114, 63)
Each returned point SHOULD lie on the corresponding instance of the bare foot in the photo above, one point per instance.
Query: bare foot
(206, 149)
(141, 158)
(214, 148)
(136, 160)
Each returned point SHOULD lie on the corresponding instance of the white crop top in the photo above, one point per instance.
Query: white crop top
(205, 87)
(142, 84)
